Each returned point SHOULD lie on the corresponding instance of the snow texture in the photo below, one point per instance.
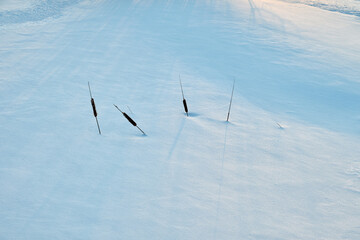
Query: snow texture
(286, 166)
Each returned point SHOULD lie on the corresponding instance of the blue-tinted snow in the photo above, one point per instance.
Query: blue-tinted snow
(190, 178)
(30, 11)
(351, 7)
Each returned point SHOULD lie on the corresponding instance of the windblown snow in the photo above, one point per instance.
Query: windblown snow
(286, 165)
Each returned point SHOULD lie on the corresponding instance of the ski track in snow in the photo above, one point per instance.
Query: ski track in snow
(194, 177)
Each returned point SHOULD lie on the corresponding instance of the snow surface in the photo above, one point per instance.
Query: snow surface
(351, 7)
(194, 177)
(11, 5)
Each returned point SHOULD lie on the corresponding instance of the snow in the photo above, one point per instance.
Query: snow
(11, 5)
(195, 177)
(351, 7)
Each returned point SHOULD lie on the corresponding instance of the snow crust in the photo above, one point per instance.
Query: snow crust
(286, 166)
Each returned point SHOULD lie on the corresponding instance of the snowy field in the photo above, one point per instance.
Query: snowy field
(296, 64)
(351, 7)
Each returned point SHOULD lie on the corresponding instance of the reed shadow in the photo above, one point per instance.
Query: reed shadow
(140, 135)
(175, 142)
(218, 121)
(221, 183)
(192, 114)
